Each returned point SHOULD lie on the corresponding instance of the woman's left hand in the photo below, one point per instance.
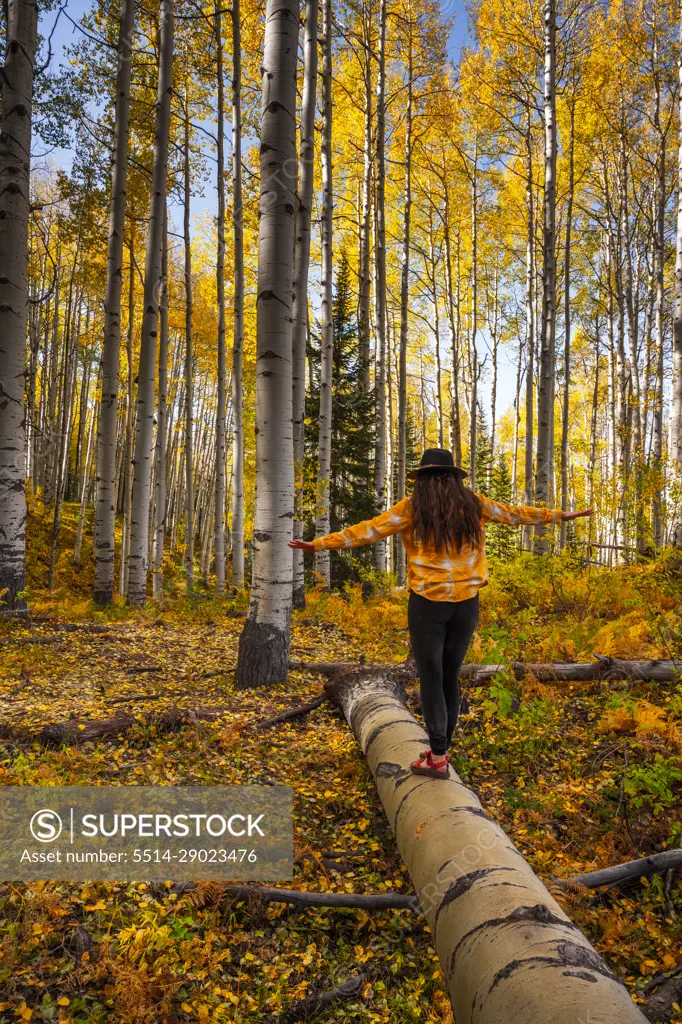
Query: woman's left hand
(577, 515)
(304, 545)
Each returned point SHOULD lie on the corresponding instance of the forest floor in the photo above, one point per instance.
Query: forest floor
(581, 776)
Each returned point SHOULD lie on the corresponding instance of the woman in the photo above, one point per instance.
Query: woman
(442, 527)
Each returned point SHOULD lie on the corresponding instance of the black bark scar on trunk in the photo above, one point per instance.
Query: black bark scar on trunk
(569, 954)
(376, 732)
(461, 886)
(538, 914)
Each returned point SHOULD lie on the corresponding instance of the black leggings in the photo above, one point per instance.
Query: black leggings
(440, 632)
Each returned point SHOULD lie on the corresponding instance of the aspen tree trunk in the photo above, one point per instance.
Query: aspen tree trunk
(517, 423)
(306, 169)
(15, 155)
(567, 327)
(105, 505)
(220, 465)
(364, 284)
(85, 483)
(322, 523)
(455, 421)
(189, 369)
(144, 450)
(263, 657)
(380, 372)
(676, 398)
(238, 308)
(543, 486)
(660, 338)
(404, 308)
(129, 430)
(507, 950)
(474, 319)
(160, 454)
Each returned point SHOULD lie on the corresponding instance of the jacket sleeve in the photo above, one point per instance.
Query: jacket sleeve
(372, 530)
(517, 515)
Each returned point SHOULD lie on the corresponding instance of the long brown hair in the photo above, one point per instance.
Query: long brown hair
(445, 513)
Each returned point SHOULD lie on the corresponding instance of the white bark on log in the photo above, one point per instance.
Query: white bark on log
(15, 156)
(105, 506)
(506, 948)
(264, 643)
(144, 450)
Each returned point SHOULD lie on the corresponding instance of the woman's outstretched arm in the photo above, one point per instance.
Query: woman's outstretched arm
(524, 515)
(369, 532)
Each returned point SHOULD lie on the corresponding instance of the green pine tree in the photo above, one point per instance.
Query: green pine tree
(352, 468)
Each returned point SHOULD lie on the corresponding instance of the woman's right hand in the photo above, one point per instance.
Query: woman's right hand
(578, 515)
(304, 545)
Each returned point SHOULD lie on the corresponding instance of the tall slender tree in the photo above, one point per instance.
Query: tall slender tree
(264, 644)
(105, 505)
(306, 169)
(144, 451)
(545, 440)
(322, 525)
(380, 359)
(220, 290)
(238, 307)
(15, 156)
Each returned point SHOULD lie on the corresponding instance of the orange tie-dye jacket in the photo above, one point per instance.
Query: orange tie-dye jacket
(440, 576)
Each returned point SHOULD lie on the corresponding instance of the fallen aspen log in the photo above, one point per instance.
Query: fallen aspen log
(602, 668)
(643, 867)
(75, 731)
(507, 950)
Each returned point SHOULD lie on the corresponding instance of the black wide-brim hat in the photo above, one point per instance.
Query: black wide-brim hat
(439, 459)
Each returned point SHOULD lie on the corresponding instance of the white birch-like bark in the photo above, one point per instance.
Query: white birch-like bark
(161, 424)
(567, 327)
(105, 504)
(364, 283)
(544, 466)
(220, 434)
(404, 300)
(237, 532)
(263, 657)
(144, 428)
(473, 353)
(494, 925)
(322, 523)
(306, 167)
(676, 397)
(15, 157)
(380, 371)
(189, 368)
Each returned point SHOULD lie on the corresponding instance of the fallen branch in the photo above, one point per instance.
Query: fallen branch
(138, 669)
(643, 867)
(349, 900)
(136, 696)
(286, 716)
(306, 1008)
